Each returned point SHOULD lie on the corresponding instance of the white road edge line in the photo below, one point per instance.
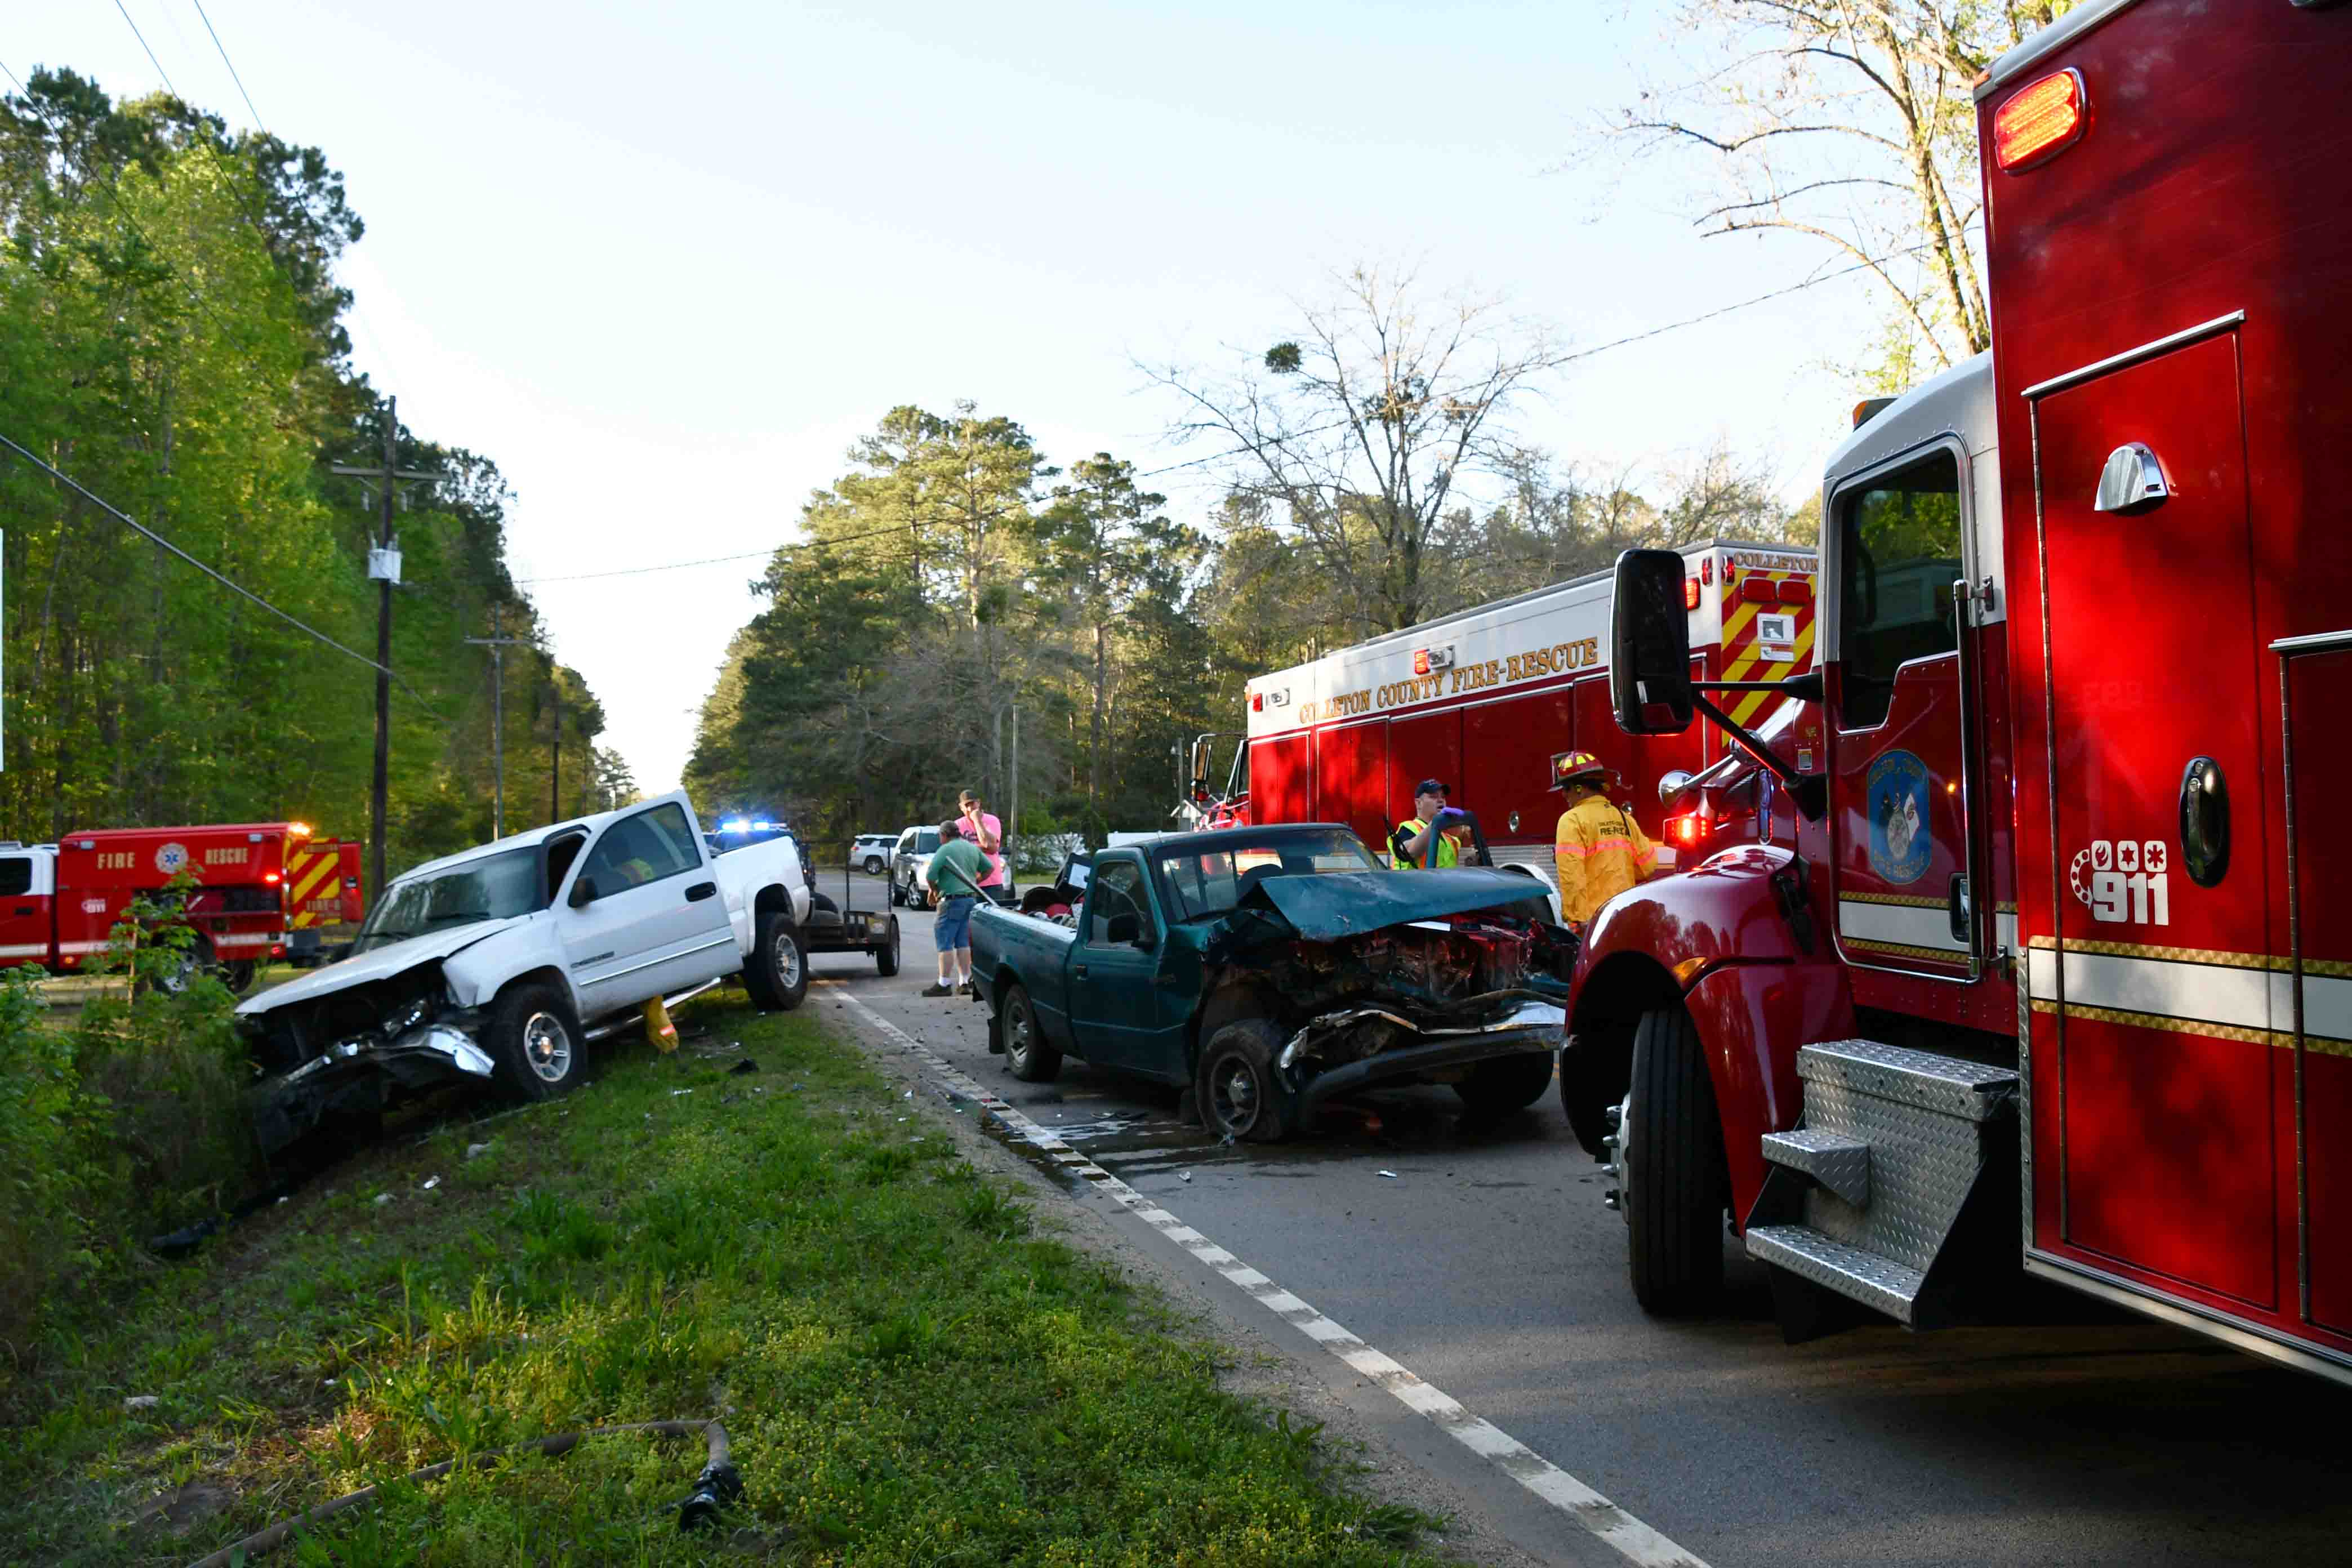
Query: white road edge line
(1632, 1538)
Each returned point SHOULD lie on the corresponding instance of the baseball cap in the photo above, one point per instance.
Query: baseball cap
(1430, 786)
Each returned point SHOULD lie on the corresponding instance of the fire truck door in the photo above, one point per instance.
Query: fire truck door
(2317, 1013)
(1898, 778)
(2155, 998)
(25, 894)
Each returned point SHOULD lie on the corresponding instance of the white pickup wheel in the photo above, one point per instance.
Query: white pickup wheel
(534, 1045)
(777, 974)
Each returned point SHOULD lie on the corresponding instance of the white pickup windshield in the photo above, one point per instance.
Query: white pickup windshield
(495, 888)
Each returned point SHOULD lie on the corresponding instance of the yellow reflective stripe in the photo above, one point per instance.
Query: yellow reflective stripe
(1585, 852)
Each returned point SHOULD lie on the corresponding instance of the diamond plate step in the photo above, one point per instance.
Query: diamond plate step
(1917, 1078)
(1840, 1164)
(1865, 1277)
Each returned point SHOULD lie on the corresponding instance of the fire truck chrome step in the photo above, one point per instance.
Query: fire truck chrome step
(1876, 1282)
(1840, 1164)
(1905, 1160)
(1947, 1085)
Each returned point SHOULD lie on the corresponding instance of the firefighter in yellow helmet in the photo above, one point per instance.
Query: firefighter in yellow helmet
(1599, 848)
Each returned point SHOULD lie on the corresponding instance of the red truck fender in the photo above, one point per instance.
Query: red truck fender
(1720, 943)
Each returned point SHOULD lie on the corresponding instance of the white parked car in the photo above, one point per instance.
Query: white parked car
(908, 862)
(502, 962)
(871, 852)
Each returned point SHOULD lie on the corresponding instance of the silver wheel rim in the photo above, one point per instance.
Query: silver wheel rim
(1016, 1034)
(1622, 1157)
(788, 961)
(1234, 1094)
(547, 1047)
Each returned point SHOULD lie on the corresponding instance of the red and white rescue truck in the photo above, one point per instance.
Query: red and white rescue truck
(323, 903)
(2041, 958)
(1482, 699)
(60, 903)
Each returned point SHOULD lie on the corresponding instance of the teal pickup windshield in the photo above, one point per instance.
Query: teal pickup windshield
(1206, 881)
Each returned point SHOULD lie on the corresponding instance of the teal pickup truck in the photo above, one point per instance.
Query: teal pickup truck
(1268, 969)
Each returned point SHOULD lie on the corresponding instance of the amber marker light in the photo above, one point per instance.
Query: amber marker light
(2040, 121)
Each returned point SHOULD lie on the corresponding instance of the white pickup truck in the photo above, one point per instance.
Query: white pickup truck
(503, 962)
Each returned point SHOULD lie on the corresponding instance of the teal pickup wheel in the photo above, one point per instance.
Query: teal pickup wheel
(1028, 1056)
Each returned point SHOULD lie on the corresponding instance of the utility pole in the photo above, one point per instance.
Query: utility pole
(555, 751)
(498, 643)
(384, 566)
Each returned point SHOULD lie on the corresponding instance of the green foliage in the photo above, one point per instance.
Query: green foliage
(907, 1371)
(169, 335)
(121, 1123)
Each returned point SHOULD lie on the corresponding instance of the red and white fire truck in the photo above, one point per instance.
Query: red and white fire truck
(60, 902)
(1483, 699)
(2037, 958)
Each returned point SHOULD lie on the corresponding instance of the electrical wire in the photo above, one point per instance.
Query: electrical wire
(151, 53)
(232, 69)
(136, 526)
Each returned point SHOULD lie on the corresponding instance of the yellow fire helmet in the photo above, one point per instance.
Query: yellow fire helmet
(1572, 767)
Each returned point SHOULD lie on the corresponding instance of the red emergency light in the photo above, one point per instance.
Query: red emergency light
(1420, 662)
(1257, 701)
(1690, 592)
(1759, 591)
(1794, 591)
(2040, 121)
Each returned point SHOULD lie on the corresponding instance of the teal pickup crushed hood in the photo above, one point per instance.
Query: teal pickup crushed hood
(1327, 907)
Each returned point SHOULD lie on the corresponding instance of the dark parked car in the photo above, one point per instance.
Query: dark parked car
(1270, 968)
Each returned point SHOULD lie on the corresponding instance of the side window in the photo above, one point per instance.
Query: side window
(1117, 889)
(642, 848)
(16, 876)
(1899, 552)
(560, 856)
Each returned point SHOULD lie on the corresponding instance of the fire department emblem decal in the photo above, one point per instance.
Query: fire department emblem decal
(171, 858)
(1901, 843)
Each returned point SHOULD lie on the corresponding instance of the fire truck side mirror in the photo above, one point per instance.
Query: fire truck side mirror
(1649, 668)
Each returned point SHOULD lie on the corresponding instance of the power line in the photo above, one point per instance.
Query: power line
(232, 68)
(1744, 304)
(136, 526)
(151, 53)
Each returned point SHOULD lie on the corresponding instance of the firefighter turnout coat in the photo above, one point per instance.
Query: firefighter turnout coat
(1600, 851)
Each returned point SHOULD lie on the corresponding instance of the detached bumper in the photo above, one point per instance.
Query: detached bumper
(1528, 1027)
(352, 1079)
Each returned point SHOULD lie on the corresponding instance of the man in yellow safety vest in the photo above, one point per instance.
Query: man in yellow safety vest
(1598, 848)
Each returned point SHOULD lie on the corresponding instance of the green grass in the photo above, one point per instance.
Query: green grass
(911, 1372)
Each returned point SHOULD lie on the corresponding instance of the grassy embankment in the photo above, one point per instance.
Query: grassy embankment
(909, 1371)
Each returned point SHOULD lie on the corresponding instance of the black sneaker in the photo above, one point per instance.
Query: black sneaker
(936, 990)
(968, 989)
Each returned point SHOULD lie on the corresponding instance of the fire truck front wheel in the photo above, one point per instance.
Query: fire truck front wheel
(1670, 1169)
(238, 977)
(534, 1043)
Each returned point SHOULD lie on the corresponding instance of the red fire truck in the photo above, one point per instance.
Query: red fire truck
(60, 903)
(2037, 959)
(1482, 699)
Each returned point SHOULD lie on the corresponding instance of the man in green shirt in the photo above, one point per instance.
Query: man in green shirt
(957, 870)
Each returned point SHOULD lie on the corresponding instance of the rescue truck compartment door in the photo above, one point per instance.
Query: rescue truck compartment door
(2156, 1005)
(26, 885)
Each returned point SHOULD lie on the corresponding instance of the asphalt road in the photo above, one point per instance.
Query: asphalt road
(1486, 1265)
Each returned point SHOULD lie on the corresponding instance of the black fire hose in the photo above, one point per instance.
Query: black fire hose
(719, 1485)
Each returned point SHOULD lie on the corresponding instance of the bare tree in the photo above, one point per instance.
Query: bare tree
(1356, 434)
(1849, 121)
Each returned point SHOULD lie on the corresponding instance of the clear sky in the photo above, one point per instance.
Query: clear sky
(663, 263)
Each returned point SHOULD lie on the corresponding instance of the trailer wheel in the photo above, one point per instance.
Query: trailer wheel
(777, 974)
(1028, 1056)
(1504, 1084)
(885, 957)
(1670, 1168)
(1239, 1092)
(533, 1042)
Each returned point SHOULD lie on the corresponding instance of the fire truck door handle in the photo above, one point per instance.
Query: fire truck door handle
(24, 909)
(1960, 909)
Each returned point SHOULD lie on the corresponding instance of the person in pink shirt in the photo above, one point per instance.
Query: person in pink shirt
(983, 829)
